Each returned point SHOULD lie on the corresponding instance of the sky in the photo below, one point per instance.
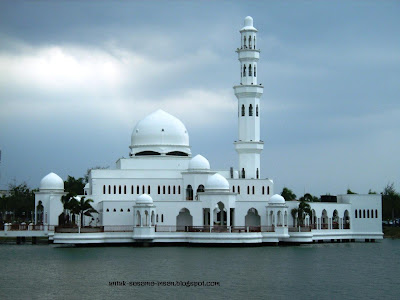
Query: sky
(76, 76)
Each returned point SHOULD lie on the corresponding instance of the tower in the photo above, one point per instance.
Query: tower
(248, 93)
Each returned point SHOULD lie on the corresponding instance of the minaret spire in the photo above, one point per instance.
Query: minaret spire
(248, 93)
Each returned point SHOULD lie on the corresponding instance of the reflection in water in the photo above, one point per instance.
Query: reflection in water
(327, 271)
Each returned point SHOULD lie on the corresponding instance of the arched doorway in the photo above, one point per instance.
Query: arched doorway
(335, 220)
(324, 220)
(252, 218)
(346, 220)
(220, 214)
(183, 219)
(39, 213)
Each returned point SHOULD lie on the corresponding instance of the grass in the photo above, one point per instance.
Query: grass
(391, 232)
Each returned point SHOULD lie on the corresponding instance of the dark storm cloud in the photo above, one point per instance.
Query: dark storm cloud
(76, 76)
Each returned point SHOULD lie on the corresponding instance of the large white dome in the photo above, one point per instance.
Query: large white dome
(51, 182)
(199, 163)
(160, 133)
(217, 182)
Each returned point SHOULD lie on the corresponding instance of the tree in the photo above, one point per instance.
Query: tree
(301, 212)
(349, 192)
(371, 192)
(82, 207)
(309, 198)
(74, 186)
(390, 202)
(18, 204)
(288, 194)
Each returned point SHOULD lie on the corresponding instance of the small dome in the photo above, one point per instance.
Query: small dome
(144, 199)
(278, 199)
(199, 162)
(248, 21)
(248, 24)
(51, 182)
(217, 182)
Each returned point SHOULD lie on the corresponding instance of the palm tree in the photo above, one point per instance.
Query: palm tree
(82, 207)
(302, 211)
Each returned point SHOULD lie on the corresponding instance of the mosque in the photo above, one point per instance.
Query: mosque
(164, 194)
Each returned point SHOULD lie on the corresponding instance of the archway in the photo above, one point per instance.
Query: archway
(252, 218)
(220, 214)
(138, 218)
(189, 192)
(324, 220)
(39, 213)
(335, 220)
(183, 219)
(346, 220)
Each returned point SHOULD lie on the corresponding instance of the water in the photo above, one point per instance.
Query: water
(324, 271)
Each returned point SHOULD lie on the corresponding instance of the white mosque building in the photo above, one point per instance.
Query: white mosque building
(164, 194)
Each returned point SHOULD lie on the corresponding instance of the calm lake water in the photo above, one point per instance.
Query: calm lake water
(318, 271)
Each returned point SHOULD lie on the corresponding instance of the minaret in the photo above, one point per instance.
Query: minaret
(248, 93)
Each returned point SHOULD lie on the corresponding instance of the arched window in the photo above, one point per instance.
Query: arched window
(179, 189)
(174, 190)
(253, 190)
(257, 110)
(114, 210)
(355, 213)
(364, 213)
(132, 189)
(254, 43)
(243, 110)
(109, 189)
(163, 189)
(250, 42)
(255, 71)
(257, 174)
(104, 189)
(115, 189)
(169, 189)
(233, 189)
(244, 70)
(376, 213)
(250, 72)
(119, 190)
(107, 210)
(162, 218)
(238, 189)
(372, 213)
(122, 210)
(137, 190)
(248, 190)
(143, 190)
(189, 192)
(148, 189)
(200, 189)
(125, 189)
(157, 218)
(250, 110)
(128, 210)
(243, 173)
(244, 41)
(267, 190)
(159, 190)
(367, 213)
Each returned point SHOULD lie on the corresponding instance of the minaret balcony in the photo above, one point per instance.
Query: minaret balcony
(249, 90)
(248, 54)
